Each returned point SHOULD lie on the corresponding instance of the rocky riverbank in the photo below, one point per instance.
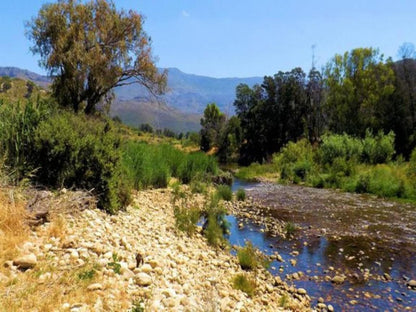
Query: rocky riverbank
(92, 261)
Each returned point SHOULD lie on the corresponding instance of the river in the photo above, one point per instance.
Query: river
(369, 241)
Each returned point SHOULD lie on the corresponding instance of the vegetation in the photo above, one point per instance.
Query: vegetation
(250, 258)
(224, 192)
(241, 194)
(97, 56)
(215, 224)
(244, 283)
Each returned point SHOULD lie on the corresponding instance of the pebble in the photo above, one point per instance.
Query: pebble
(95, 286)
(143, 279)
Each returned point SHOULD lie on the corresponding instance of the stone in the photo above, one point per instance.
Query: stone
(338, 279)
(387, 276)
(143, 279)
(411, 283)
(301, 291)
(95, 286)
(146, 268)
(330, 308)
(25, 262)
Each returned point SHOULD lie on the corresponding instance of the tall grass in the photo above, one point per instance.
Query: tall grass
(147, 165)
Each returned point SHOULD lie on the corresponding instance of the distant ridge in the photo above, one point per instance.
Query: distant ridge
(179, 109)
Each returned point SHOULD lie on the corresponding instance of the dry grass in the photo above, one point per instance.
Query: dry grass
(13, 226)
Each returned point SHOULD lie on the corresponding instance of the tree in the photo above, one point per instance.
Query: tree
(358, 84)
(212, 124)
(90, 48)
(230, 141)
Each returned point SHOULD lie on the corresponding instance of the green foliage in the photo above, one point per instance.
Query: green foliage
(90, 48)
(224, 192)
(86, 275)
(339, 146)
(254, 171)
(138, 306)
(115, 264)
(212, 124)
(295, 161)
(241, 194)
(250, 257)
(290, 228)
(216, 225)
(378, 149)
(18, 123)
(198, 187)
(81, 152)
(186, 218)
(284, 301)
(245, 284)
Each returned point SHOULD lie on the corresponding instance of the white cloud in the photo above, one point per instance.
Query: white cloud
(185, 13)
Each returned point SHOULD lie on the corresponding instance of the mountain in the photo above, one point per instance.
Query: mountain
(14, 72)
(180, 109)
(191, 93)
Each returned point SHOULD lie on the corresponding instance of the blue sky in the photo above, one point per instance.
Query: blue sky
(230, 38)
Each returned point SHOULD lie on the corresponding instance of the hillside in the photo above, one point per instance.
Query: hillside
(179, 109)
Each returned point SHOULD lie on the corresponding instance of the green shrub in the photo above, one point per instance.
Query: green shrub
(77, 151)
(115, 264)
(254, 171)
(224, 192)
(378, 149)
(339, 146)
(215, 225)
(250, 258)
(241, 194)
(18, 123)
(197, 186)
(186, 218)
(290, 228)
(245, 284)
(295, 161)
(195, 164)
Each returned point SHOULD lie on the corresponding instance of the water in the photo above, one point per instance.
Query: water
(359, 236)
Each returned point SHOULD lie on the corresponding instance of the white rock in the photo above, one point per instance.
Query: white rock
(95, 286)
(25, 262)
(143, 279)
(146, 268)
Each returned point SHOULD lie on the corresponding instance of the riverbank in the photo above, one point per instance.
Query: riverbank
(89, 262)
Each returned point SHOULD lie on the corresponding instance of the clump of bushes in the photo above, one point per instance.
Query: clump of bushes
(245, 284)
(240, 194)
(224, 192)
(250, 258)
(215, 224)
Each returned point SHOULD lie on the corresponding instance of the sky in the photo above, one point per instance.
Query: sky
(240, 38)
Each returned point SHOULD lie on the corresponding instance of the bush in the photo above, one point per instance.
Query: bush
(18, 123)
(250, 258)
(295, 161)
(186, 218)
(215, 225)
(224, 192)
(198, 187)
(77, 151)
(241, 195)
(245, 284)
(339, 146)
(378, 149)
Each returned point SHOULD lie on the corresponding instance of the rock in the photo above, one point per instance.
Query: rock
(143, 279)
(321, 300)
(411, 283)
(301, 291)
(293, 262)
(146, 268)
(330, 308)
(25, 262)
(295, 276)
(387, 276)
(321, 306)
(338, 279)
(95, 286)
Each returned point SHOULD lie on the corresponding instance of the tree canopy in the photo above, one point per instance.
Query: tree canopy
(90, 48)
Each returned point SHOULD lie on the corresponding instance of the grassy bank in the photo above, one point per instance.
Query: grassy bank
(343, 162)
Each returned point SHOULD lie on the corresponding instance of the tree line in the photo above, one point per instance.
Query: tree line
(356, 92)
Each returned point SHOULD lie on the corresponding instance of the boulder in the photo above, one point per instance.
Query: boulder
(25, 262)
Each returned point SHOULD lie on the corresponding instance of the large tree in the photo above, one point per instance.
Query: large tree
(212, 125)
(89, 48)
(358, 84)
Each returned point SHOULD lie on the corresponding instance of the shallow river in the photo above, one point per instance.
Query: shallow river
(369, 240)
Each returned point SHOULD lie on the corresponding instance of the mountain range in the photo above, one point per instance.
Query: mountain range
(179, 109)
